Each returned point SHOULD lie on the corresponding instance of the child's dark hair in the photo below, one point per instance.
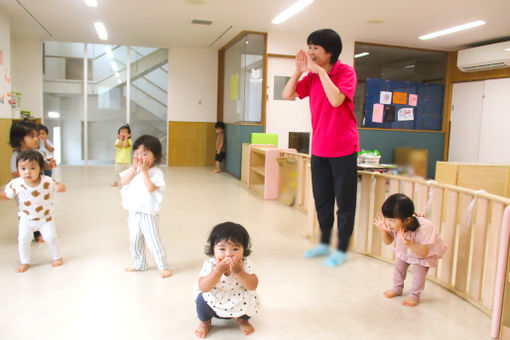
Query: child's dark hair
(42, 127)
(31, 155)
(219, 125)
(124, 127)
(228, 231)
(150, 143)
(329, 40)
(18, 132)
(402, 207)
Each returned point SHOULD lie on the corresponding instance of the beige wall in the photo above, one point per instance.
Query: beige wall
(27, 72)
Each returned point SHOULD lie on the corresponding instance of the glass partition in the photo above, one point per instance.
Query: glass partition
(243, 79)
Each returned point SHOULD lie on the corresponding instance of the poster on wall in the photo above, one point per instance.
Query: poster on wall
(405, 114)
(413, 99)
(377, 115)
(385, 97)
(389, 113)
(234, 81)
(5, 85)
(399, 98)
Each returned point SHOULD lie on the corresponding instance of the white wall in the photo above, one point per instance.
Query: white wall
(27, 73)
(5, 66)
(192, 84)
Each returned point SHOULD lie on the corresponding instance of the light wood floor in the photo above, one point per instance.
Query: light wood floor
(91, 297)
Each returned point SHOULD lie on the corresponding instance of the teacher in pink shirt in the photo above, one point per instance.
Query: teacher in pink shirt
(330, 85)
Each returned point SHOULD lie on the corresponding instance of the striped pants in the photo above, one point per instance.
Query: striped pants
(145, 228)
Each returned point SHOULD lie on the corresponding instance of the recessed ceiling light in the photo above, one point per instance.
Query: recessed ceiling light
(101, 30)
(410, 66)
(452, 30)
(53, 114)
(201, 22)
(507, 49)
(195, 2)
(362, 54)
(115, 68)
(91, 3)
(374, 21)
(298, 6)
(108, 51)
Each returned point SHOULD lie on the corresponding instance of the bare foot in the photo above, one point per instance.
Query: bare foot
(203, 328)
(165, 273)
(57, 263)
(22, 268)
(391, 293)
(410, 302)
(131, 269)
(245, 326)
(114, 184)
(40, 239)
(216, 171)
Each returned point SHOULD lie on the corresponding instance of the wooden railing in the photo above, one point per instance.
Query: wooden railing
(471, 223)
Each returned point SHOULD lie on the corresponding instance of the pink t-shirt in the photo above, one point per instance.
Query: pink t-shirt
(427, 234)
(334, 128)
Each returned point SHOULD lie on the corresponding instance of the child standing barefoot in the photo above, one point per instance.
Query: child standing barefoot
(417, 242)
(142, 193)
(34, 192)
(226, 287)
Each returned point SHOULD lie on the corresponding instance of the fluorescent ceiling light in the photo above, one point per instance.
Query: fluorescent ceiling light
(507, 49)
(53, 114)
(115, 68)
(108, 52)
(91, 3)
(298, 6)
(409, 66)
(452, 30)
(362, 54)
(101, 30)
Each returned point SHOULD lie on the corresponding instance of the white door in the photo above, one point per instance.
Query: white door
(495, 127)
(465, 120)
(284, 116)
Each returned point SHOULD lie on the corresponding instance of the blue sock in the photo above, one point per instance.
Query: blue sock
(336, 259)
(321, 250)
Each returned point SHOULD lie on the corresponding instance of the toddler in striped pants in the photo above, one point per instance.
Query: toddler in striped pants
(142, 193)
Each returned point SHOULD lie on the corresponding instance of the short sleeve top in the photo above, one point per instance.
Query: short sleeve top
(427, 234)
(334, 128)
(33, 203)
(228, 298)
(136, 197)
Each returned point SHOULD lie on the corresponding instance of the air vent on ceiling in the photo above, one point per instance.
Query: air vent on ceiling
(201, 22)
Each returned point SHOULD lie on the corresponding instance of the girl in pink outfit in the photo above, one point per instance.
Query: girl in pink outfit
(417, 242)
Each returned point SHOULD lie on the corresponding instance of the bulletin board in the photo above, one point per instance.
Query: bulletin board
(392, 104)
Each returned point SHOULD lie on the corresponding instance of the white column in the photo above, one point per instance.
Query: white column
(128, 84)
(85, 90)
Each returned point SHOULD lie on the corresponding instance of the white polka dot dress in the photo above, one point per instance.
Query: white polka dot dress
(228, 298)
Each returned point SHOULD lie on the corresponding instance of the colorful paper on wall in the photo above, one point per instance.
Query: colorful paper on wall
(413, 99)
(377, 113)
(399, 98)
(405, 114)
(385, 97)
(389, 113)
(234, 81)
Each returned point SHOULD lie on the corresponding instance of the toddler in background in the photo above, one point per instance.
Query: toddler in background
(122, 151)
(220, 145)
(35, 194)
(45, 146)
(417, 242)
(227, 283)
(142, 193)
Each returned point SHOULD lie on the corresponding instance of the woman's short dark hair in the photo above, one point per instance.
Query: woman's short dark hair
(329, 40)
(42, 127)
(228, 231)
(402, 207)
(31, 155)
(124, 127)
(18, 132)
(150, 143)
(220, 125)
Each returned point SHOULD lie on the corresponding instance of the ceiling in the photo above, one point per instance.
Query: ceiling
(162, 23)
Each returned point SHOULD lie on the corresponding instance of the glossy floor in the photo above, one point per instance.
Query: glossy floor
(91, 297)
